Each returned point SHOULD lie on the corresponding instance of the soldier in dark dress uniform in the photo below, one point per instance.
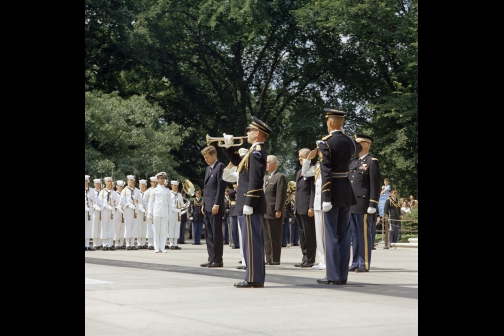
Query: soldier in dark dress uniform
(366, 183)
(225, 218)
(250, 200)
(197, 217)
(337, 150)
(392, 211)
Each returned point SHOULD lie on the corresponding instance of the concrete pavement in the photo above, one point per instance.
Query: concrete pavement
(139, 292)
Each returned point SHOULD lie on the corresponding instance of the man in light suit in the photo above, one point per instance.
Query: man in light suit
(275, 190)
(213, 207)
(159, 210)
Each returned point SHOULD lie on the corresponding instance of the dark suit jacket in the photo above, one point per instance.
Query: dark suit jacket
(214, 187)
(305, 193)
(251, 179)
(366, 179)
(276, 194)
(337, 150)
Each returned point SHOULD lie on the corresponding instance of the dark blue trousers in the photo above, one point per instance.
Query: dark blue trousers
(197, 232)
(253, 246)
(337, 237)
(235, 237)
(362, 239)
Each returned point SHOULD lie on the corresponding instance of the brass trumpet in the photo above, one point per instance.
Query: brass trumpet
(220, 141)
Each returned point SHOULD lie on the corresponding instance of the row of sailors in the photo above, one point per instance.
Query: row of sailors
(115, 218)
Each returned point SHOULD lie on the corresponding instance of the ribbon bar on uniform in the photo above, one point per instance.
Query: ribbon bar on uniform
(339, 175)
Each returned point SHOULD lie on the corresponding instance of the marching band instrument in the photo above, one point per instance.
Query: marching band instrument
(291, 186)
(188, 186)
(220, 141)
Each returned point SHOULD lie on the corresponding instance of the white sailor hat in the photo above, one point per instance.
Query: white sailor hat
(161, 174)
(86, 177)
(153, 179)
(107, 179)
(97, 181)
(174, 183)
(130, 177)
(242, 151)
(142, 182)
(120, 183)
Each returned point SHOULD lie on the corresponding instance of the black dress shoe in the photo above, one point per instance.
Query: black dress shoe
(128, 247)
(351, 269)
(205, 264)
(343, 282)
(274, 263)
(235, 247)
(214, 264)
(134, 248)
(196, 243)
(328, 282)
(245, 284)
(90, 248)
(298, 265)
(306, 265)
(105, 248)
(176, 248)
(151, 247)
(241, 267)
(111, 248)
(267, 263)
(360, 270)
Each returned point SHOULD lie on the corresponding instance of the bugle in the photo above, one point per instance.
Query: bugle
(220, 141)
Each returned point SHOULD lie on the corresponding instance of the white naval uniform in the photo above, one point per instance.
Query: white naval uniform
(307, 171)
(177, 202)
(129, 199)
(160, 208)
(142, 219)
(95, 216)
(118, 223)
(150, 228)
(109, 201)
(88, 228)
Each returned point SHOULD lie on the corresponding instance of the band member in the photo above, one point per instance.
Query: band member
(88, 227)
(175, 216)
(197, 217)
(183, 218)
(142, 214)
(109, 200)
(159, 210)
(250, 200)
(213, 206)
(129, 198)
(96, 215)
(119, 218)
(365, 178)
(337, 150)
(150, 226)
(225, 219)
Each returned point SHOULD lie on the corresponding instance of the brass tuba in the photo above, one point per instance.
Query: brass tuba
(291, 186)
(220, 141)
(188, 187)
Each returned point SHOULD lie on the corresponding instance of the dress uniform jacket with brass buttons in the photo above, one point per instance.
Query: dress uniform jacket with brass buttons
(365, 177)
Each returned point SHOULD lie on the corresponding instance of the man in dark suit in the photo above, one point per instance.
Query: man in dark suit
(365, 178)
(250, 200)
(275, 191)
(337, 150)
(305, 220)
(213, 207)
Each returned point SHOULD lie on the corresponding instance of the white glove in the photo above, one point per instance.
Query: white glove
(119, 209)
(248, 210)
(132, 206)
(228, 140)
(290, 220)
(108, 207)
(326, 206)
(149, 216)
(371, 210)
(235, 175)
(142, 210)
(96, 207)
(88, 209)
(190, 218)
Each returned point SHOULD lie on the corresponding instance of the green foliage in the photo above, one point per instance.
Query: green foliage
(127, 136)
(411, 215)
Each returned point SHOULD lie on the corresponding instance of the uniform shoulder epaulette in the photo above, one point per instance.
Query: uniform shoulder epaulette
(327, 137)
(374, 159)
(258, 147)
